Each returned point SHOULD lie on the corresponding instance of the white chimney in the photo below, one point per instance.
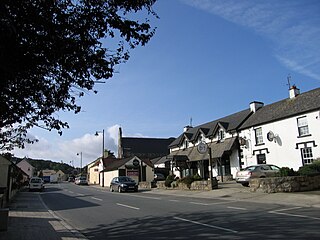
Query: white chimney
(254, 106)
(186, 128)
(294, 91)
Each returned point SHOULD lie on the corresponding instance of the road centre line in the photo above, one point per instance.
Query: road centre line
(237, 208)
(199, 203)
(80, 194)
(174, 200)
(206, 225)
(155, 198)
(70, 191)
(286, 209)
(99, 199)
(123, 205)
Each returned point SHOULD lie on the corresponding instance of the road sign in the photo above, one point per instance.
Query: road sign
(202, 148)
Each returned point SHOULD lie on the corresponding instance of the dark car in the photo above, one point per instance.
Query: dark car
(159, 177)
(123, 184)
(256, 171)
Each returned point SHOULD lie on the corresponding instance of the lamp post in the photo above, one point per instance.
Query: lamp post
(80, 161)
(97, 134)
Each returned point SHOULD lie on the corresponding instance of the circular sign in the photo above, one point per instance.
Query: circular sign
(135, 163)
(202, 148)
(270, 136)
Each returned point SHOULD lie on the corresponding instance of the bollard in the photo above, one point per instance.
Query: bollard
(4, 213)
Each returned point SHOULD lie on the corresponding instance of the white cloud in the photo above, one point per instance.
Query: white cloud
(293, 27)
(66, 150)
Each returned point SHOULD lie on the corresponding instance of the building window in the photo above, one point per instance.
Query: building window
(259, 137)
(307, 157)
(185, 144)
(220, 134)
(303, 126)
(261, 159)
(200, 138)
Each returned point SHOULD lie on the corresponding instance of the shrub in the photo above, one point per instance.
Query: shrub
(285, 171)
(197, 177)
(169, 180)
(310, 169)
(186, 180)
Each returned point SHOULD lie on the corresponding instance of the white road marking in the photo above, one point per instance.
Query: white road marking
(199, 203)
(280, 212)
(174, 200)
(206, 225)
(123, 205)
(80, 194)
(155, 198)
(237, 208)
(99, 199)
(70, 192)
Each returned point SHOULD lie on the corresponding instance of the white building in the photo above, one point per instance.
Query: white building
(285, 133)
(25, 166)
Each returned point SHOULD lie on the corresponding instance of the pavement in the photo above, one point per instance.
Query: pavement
(29, 217)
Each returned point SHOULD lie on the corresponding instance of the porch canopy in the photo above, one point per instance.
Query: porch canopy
(192, 154)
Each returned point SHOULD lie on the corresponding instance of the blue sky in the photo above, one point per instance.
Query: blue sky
(208, 59)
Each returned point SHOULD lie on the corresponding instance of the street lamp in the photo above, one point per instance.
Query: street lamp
(97, 134)
(80, 161)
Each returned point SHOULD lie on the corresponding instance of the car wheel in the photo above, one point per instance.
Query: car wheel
(119, 190)
(111, 190)
(245, 184)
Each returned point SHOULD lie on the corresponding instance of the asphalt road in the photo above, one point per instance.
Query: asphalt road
(100, 214)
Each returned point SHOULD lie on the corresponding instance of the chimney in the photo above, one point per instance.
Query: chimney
(120, 150)
(254, 106)
(186, 128)
(294, 91)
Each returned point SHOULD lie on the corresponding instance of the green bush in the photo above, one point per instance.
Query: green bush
(310, 169)
(197, 177)
(285, 171)
(169, 180)
(186, 180)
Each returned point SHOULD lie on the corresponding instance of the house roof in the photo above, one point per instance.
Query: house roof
(229, 123)
(145, 147)
(303, 103)
(115, 163)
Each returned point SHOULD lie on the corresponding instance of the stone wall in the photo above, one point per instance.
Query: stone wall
(285, 184)
(196, 185)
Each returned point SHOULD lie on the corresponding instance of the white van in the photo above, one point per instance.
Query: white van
(36, 183)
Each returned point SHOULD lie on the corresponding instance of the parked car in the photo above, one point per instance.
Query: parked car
(256, 171)
(159, 177)
(70, 179)
(123, 184)
(36, 183)
(81, 181)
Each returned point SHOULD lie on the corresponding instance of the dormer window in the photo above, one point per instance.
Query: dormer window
(185, 144)
(220, 134)
(201, 138)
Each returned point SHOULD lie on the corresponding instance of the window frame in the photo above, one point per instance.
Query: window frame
(258, 138)
(305, 132)
(306, 155)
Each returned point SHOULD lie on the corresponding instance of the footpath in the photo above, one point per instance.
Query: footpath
(30, 219)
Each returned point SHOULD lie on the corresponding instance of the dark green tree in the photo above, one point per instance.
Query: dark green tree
(51, 53)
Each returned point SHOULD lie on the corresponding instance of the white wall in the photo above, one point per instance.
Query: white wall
(283, 152)
(26, 167)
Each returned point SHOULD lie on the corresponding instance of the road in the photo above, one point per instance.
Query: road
(100, 214)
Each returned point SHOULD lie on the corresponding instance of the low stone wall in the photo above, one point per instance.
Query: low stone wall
(196, 185)
(285, 184)
(146, 185)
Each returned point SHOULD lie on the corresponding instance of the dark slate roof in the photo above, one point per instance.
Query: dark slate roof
(111, 164)
(230, 123)
(145, 147)
(303, 103)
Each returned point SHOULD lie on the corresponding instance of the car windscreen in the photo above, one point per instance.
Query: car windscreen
(250, 168)
(125, 179)
(83, 178)
(35, 180)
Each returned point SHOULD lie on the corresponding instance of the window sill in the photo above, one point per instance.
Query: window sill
(302, 136)
(260, 144)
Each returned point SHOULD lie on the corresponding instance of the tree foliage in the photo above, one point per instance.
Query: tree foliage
(52, 53)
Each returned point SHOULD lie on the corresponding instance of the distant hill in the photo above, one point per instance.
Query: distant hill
(41, 164)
